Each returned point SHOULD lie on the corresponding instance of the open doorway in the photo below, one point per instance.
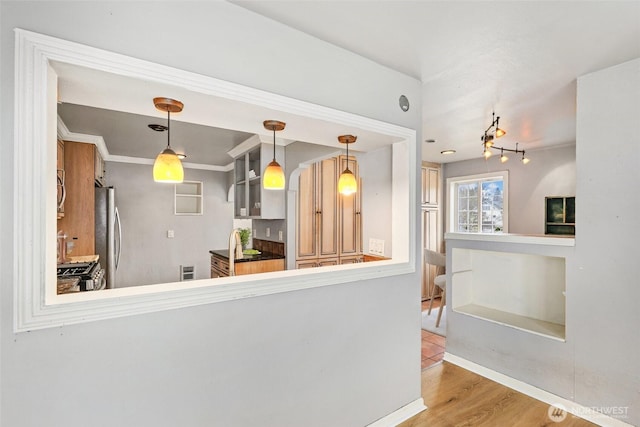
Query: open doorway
(433, 326)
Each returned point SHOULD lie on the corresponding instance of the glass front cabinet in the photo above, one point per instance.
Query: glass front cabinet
(251, 200)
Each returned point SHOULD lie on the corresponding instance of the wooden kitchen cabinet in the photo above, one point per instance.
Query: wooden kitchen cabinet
(349, 207)
(99, 169)
(328, 224)
(432, 232)
(430, 184)
(79, 207)
(220, 266)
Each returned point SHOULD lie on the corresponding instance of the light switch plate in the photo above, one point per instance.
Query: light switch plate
(376, 246)
(170, 234)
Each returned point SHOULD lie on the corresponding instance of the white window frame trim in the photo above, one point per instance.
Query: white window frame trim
(36, 305)
(452, 202)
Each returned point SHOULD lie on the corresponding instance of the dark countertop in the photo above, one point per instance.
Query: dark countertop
(247, 258)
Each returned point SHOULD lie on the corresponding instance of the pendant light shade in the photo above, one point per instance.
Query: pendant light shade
(347, 183)
(168, 167)
(273, 178)
(273, 175)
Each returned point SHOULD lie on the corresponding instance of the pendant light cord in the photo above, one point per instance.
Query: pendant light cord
(274, 143)
(168, 128)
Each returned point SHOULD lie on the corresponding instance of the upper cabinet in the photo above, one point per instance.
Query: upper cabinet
(430, 185)
(251, 200)
(99, 169)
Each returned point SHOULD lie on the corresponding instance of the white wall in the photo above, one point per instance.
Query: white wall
(607, 342)
(342, 355)
(375, 170)
(147, 213)
(551, 172)
(598, 365)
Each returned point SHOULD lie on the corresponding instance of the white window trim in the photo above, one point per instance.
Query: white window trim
(35, 301)
(452, 199)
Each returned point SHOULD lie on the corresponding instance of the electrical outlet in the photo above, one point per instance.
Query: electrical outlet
(170, 234)
(268, 232)
(280, 235)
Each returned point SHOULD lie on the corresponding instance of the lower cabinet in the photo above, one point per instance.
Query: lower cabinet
(323, 262)
(220, 266)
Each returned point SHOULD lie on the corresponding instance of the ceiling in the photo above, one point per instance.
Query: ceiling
(119, 109)
(129, 135)
(519, 58)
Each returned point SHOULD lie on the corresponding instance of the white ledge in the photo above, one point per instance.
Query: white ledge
(530, 239)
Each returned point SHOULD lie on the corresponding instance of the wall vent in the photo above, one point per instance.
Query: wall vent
(187, 272)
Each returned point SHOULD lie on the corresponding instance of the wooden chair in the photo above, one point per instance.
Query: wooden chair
(439, 260)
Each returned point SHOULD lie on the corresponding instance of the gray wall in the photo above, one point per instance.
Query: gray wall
(319, 357)
(147, 212)
(551, 172)
(598, 365)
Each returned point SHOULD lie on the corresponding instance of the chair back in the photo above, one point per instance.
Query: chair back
(434, 258)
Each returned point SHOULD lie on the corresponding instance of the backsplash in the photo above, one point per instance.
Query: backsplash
(269, 246)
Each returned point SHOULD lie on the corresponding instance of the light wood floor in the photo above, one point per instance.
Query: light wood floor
(457, 397)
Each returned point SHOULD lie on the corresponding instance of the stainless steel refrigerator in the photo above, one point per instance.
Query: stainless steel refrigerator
(108, 233)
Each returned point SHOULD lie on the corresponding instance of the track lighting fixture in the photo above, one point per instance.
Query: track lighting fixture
(488, 141)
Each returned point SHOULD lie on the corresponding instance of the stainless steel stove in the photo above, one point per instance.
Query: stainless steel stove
(90, 273)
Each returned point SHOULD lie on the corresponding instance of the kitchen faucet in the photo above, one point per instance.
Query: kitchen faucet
(235, 250)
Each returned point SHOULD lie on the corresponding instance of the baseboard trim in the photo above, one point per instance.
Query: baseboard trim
(537, 393)
(400, 415)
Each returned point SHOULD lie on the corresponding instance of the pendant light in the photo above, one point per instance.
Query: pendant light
(168, 167)
(347, 184)
(273, 175)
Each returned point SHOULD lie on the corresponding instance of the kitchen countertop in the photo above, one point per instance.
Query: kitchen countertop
(247, 258)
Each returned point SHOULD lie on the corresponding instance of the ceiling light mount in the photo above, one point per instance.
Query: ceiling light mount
(158, 128)
(492, 133)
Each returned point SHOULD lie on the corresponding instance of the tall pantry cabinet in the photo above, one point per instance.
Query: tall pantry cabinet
(431, 223)
(328, 224)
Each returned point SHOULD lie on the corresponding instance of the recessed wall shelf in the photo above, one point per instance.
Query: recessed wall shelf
(188, 198)
(523, 291)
